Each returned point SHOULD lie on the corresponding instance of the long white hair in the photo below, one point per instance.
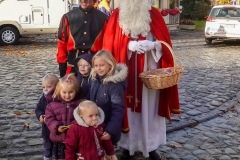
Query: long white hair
(134, 17)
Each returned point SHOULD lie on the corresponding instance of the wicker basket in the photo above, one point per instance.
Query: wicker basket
(163, 77)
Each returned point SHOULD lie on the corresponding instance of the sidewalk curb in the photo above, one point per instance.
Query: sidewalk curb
(223, 109)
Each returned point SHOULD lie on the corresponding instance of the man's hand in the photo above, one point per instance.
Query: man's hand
(135, 46)
(148, 45)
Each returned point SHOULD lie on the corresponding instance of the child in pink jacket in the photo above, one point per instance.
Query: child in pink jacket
(59, 113)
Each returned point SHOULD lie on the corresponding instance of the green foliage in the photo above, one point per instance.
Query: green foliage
(200, 25)
(202, 10)
(195, 9)
(207, 1)
(187, 12)
(172, 4)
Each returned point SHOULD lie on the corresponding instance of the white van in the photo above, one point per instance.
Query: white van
(223, 22)
(22, 17)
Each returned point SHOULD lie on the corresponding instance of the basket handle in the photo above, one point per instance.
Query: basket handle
(170, 49)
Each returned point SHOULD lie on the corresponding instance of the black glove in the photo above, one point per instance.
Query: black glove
(62, 69)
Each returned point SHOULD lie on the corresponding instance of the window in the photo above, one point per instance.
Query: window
(225, 12)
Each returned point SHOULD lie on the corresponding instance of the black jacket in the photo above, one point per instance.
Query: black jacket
(40, 110)
(85, 85)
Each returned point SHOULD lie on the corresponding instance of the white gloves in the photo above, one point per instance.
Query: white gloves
(141, 46)
(147, 45)
(135, 47)
(144, 46)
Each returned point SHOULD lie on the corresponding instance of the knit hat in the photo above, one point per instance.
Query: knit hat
(86, 56)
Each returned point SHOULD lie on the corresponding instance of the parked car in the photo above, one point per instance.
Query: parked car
(223, 22)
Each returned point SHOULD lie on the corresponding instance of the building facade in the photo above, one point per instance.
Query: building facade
(219, 2)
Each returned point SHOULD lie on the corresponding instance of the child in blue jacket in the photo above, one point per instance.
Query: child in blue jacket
(107, 91)
(49, 83)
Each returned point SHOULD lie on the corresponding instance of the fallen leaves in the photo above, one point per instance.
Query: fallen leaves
(31, 112)
(10, 51)
(221, 114)
(26, 125)
(18, 113)
(193, 125)
(19, 53)
(232, 109)
(175, 145)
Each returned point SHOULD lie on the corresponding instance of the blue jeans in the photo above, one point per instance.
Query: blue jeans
(48, 147)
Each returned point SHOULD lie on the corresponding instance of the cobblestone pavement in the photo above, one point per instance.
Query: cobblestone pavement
(207, 128)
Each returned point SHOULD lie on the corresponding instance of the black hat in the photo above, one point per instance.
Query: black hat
(86, 56)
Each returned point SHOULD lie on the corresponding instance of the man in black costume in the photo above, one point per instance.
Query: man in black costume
(76, 34)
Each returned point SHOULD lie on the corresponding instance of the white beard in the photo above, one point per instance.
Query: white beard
(134, 17)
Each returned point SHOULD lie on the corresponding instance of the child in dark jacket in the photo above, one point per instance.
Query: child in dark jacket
(59, 113)
(83, 139)
(107, 91)
(49, 83)
(83, 68)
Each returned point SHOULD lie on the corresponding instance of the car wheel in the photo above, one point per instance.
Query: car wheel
(8, 35)
(208, 40)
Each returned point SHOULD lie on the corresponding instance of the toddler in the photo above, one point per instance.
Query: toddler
(59, 113)
(107, 91)
(83, 139)
(49, 83)
(83, 67)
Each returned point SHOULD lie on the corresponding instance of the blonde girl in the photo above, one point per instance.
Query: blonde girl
(59, 113)
(107, 91)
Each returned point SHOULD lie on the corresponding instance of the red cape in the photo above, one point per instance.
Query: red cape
(113, 39)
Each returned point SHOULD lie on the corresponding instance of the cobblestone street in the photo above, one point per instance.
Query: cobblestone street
(208, 127)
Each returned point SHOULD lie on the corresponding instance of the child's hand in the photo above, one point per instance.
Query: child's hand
(79, 156)
(63, 128)
(42, 118)
(105, 136)
(111, 157)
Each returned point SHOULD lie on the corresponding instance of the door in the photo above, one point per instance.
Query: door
(38, 12)
(37, 15)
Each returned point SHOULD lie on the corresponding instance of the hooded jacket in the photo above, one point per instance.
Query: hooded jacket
(40, 110)
(59, 113)
(108, 94)
(81, 141)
